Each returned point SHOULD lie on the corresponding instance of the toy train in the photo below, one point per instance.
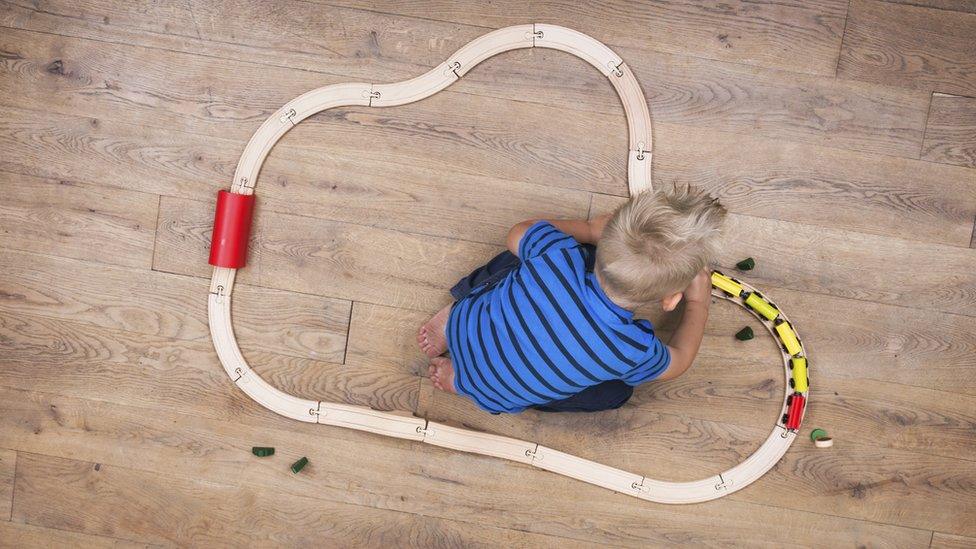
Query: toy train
(788, 340)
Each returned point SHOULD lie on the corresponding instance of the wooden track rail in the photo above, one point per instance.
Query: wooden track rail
(405, 425)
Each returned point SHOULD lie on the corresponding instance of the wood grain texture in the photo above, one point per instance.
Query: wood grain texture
(764, 35)
(950, 133)
(748, 396)
(386, 337)
(206, 96)
(180, 446)
(855, 479)
(903, 45)
(324, 257)
(371, 184)
(20, 535)
(803, 37)
(116, 366)
(832, 262)
(329, 165)
(367, 216)
(8, 461)
(165, 305)
(822, 186)
(167, 510)
(210, 96)
(949, 541)
(68, 219)
(968, 6)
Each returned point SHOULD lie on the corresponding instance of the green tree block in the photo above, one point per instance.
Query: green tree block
(746, 264)
(299, 465)
(745, 334)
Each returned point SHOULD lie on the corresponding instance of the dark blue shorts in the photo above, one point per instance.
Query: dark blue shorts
(608, 395)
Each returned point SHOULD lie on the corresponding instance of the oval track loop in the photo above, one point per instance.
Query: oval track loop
(403, 424)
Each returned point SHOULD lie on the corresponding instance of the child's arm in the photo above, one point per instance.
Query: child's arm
(687, 337)
(582, 230)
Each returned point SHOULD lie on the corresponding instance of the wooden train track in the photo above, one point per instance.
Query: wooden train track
(232, 225)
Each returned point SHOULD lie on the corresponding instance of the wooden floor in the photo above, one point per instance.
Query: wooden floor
(842, 136)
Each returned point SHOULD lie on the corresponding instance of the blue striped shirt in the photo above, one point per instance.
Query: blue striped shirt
(546, 331)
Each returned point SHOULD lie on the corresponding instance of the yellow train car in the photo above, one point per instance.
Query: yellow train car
(800, 382)
(726, 284)
(761, 306)
(788, 337)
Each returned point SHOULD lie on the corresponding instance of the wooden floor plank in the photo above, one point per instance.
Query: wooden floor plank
(69, 219)
(112, 365)
(168, 510)
(950, 133)
(385, 337)
(968, 6)
(803, 37)
(949, 541)
(8, 462)
(364, 186)
(903, 45)
(821, 186)
(166, 305)
(881, 343)
(20, 535)
(323, 257)
(454, 486)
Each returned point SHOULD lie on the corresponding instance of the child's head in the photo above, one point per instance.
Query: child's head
(655, 244)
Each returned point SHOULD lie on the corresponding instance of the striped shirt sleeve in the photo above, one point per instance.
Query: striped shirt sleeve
(657, 361)
(542, 238)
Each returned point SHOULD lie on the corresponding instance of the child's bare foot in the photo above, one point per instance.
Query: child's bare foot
(442, 373)
(431, 337)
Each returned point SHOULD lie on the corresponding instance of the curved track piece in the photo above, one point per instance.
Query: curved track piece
(406, 426)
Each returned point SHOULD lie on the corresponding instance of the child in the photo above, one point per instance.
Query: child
(550, 323)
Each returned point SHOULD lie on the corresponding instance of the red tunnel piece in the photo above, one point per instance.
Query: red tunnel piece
(232, 227)
(795, 411)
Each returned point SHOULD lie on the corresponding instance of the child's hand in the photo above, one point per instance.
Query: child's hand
(700, 289)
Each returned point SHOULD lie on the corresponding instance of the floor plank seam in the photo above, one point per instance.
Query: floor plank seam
(13, 489)
(925, 6)
(925, 127)
(972, 239)
(843, 37)
(345, 347)
(159, 207)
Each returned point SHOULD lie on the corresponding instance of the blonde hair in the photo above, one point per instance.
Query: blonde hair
(655, 243)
